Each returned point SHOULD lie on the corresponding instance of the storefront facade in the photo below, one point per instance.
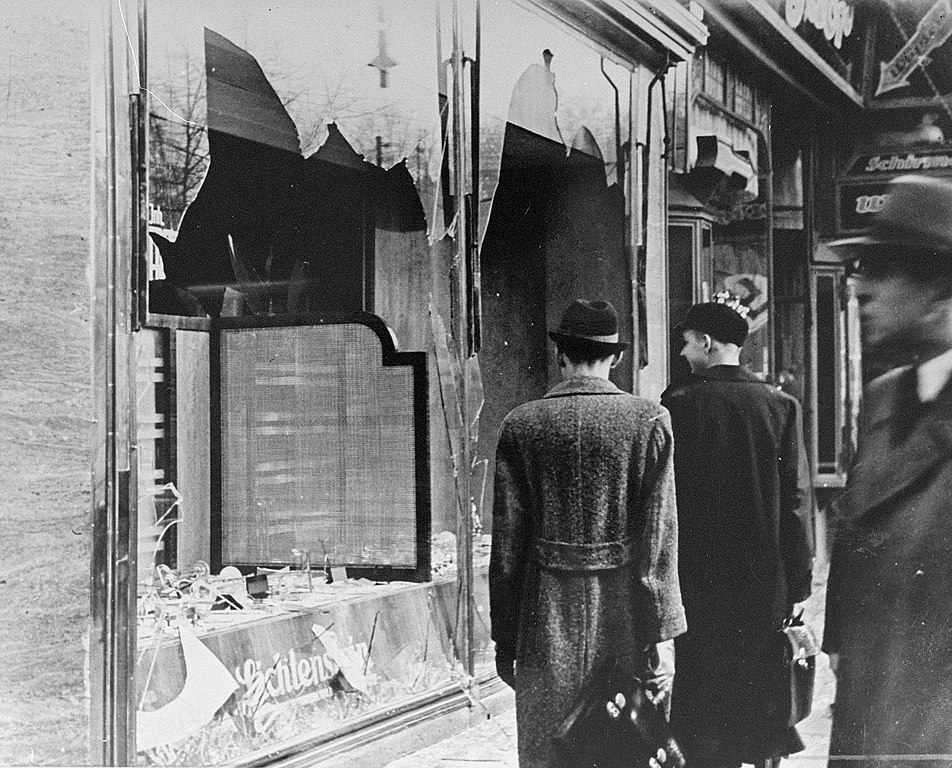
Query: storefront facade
(764, 122)
(327, 241)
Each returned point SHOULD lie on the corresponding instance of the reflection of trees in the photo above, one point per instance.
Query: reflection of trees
(178, 145)
(178, 142)
(399, 136)
(364, 112)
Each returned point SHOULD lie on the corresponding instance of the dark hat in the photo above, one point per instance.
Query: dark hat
(917, 212)
(718, 321)
(591, 324)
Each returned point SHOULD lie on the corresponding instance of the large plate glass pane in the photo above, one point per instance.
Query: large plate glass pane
(297, 173)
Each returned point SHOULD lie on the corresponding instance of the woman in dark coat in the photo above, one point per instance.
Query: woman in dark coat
(745, 545)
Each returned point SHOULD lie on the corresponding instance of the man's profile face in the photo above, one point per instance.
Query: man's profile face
(893, 309)
(695, 350)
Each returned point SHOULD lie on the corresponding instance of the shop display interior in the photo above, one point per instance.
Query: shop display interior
(299, 392)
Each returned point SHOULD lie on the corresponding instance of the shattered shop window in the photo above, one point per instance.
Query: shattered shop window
(283, 139)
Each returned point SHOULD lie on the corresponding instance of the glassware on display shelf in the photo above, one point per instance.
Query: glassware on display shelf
(197, 601)
(302, 561)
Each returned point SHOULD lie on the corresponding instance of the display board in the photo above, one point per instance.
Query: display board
(322, 446)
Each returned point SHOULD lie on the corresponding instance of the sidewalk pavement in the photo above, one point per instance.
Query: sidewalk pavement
(492, 744)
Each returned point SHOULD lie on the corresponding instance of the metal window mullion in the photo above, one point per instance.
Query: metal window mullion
(461, 332)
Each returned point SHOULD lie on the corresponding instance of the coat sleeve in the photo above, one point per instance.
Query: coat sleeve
(841, 538)
(658, 567)
(832, 622)
(510, 543)
(796, 509)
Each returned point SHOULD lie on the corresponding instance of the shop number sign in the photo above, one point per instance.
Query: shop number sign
(859, 202)
(870, 203)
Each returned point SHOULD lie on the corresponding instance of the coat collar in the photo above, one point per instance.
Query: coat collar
(727, 373)
(584, 385)
(883, 471)
(735, 373)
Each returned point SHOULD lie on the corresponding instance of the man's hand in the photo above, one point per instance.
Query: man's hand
(506, 669)
(659, 672)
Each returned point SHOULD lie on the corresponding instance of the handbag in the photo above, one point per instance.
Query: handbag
(798, 652)
(615, 724)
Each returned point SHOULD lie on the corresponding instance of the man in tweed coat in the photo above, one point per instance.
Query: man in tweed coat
(584, 552)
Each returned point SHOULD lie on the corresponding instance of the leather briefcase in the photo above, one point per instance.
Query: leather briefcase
(799, 649)
(615, 724)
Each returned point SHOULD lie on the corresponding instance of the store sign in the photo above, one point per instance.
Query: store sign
(932, 31)
(291, 674)
(834, 18)
(902, 162)
(857, 203)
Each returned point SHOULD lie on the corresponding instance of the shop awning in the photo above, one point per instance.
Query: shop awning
(717, 142)
(643, 29)
(714, 152)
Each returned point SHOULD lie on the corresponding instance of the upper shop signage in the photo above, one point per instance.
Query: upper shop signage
(932, 31)
(902, 162)
(834, 18)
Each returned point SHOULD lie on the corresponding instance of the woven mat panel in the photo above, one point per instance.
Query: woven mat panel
(317, 447)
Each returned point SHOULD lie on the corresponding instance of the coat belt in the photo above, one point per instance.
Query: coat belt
(563, 556)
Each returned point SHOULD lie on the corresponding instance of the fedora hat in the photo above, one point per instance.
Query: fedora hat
(589, 324)
(917, 212)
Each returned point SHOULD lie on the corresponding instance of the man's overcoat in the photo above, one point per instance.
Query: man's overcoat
(889, 597)
(584, 550)
(745, 553)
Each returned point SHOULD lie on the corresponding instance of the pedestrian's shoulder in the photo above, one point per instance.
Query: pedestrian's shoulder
(884, 383)
(692, 389)
(680, 388)
(676, 392)
(640, 414)
(522, 413)
(879, 396)
(646, 409)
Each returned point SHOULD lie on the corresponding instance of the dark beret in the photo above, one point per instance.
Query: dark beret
(718, 321)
